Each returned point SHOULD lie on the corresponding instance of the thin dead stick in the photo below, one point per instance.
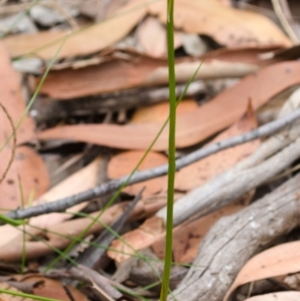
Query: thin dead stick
(63, 204)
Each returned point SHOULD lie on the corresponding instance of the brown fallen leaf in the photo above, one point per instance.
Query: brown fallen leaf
(227, 25)
(134, 71)
(12, 100)
(278, 296)
(199, 172)
(194, 126)
(27, 164)
(123, 164)
(90, 39)
(28, 170)
(279, 260)
(107, 77)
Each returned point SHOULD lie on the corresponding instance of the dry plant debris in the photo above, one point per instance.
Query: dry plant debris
(102, 102)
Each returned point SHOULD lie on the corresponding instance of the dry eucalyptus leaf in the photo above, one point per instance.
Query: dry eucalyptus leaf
(192, 127)
(279, 260)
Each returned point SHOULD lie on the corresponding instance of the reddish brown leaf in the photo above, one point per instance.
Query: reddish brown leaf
(135, 70)
(26, 163)
(29, 168)
(106, 77)
(194, 126)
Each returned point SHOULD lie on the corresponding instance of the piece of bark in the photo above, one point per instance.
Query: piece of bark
(249, 231)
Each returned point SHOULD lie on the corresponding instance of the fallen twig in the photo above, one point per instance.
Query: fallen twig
(64, 203)
(93, 254)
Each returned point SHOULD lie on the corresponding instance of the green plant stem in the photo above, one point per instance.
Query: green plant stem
(172, 166)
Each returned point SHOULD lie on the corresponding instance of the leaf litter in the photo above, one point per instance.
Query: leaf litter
(116, 50)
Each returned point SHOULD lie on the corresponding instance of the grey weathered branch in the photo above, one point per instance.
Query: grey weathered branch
(222, 255)
(64, 203)
(231, 185)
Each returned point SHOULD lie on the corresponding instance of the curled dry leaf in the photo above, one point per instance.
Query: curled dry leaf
(279, 260)
(194, 126)
(123, 163)
(279, 296)
(228, 26)
(27, 164)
